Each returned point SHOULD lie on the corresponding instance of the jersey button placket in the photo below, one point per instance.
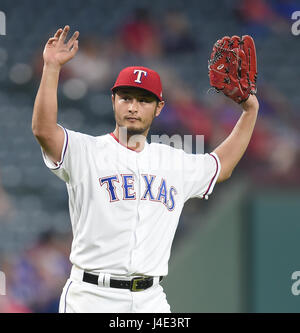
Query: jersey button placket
(133, 266)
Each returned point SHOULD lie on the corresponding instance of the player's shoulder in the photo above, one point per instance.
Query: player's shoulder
(87, 138)
(103, 140)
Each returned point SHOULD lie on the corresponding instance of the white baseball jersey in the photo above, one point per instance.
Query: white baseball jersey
(125, 205)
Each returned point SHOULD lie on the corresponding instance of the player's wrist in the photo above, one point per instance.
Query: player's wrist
(251, 104)
(51, 67)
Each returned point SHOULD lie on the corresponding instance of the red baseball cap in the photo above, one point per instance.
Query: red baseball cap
(140, 77)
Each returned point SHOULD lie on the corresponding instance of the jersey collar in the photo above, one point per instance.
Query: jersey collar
(117, 140)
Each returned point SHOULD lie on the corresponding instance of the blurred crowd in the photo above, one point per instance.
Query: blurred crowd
(35, 277)
(264, 17)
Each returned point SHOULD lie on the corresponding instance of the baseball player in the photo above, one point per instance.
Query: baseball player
(126, 194)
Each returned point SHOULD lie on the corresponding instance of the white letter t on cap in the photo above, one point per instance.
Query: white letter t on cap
(140, 72)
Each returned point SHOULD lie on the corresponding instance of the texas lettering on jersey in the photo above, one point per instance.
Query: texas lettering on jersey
(163, 195)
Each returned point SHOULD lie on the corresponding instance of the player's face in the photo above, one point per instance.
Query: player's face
(135, 109)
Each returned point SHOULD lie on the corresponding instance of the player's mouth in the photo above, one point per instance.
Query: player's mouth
(132, 119)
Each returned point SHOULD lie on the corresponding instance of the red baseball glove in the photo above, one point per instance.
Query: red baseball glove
(232, 67)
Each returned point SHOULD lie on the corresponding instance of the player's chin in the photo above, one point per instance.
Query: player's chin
(132, 130)
(135, 129)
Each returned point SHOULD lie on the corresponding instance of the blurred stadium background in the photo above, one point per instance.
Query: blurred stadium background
(233, 253)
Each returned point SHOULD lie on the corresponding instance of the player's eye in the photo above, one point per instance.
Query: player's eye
(144, 100)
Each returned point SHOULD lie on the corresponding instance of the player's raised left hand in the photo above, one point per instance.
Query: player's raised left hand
(233, 68)
(57, 51)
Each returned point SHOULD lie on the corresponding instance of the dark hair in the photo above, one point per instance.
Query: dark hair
(148, 92)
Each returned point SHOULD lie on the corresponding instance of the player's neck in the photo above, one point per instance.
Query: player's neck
(134, 142)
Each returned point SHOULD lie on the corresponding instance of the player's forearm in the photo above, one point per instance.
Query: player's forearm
(233, 148)
(44, 119)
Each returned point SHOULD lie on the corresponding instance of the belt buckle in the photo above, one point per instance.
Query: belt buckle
(134, 282)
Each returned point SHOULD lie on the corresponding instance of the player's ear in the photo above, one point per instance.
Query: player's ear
(159, 108)
(113, 101)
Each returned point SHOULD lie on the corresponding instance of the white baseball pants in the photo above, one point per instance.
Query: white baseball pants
(84, 297)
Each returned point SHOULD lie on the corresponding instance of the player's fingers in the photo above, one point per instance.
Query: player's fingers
(64, 33)
(73, 39)
(51, 40)
(58, 32)
(74, 48)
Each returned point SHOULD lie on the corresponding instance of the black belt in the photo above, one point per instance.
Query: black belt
(135, 284)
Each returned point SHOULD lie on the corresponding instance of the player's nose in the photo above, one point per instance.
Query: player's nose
(133, 106)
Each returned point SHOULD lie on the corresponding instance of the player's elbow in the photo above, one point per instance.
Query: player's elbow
(34, 129)
(43, 137)
(224, 176)
(42, 132)
(37, 132)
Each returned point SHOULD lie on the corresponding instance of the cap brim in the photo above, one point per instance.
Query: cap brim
(137, 87)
